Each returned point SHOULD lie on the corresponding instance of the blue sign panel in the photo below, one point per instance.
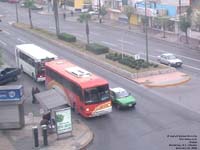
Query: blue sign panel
(11, 93)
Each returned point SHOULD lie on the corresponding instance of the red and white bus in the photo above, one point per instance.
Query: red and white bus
(31, 58)
(85, 92)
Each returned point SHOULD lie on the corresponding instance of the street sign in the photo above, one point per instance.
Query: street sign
(63, 120)
(137, 56)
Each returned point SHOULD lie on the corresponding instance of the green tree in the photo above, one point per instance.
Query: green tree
(129, 11)
(103, 12)
(29, 4)
(85, 17)
(185, 22)
(184, 25)
(163, 21)
(197, 19)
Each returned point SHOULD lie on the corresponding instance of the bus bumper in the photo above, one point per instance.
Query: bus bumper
(41, 79)
(102, 112)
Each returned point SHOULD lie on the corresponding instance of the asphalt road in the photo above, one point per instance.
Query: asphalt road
(145, 127)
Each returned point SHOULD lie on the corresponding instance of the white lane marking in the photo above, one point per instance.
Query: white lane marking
(94, 33)
(22, 41)
(3, 43)
(11, 22)
(52, 28)
(192, 67)
(158, 50)
(108, 43)
(188, 58)
(122, 41)
(6, 32)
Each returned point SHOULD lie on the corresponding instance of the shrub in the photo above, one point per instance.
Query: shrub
(67, 37)
(97, 48)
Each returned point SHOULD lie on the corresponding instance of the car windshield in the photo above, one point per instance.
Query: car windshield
(171, 57)
(122, 94)
(97, 94)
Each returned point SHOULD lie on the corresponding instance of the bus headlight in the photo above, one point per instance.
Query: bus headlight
(109, 104)
(87, 109)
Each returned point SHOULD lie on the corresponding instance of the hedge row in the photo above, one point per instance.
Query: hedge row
(130, 61)
(97, 48)
(67, 37)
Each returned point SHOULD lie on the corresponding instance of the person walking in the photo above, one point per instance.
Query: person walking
(64, 15)
(72, 13)
(35, 91)
(33, 95)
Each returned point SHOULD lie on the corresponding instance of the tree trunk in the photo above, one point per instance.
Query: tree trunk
(143, 26)
(55, 5)
(186, 36)
(30, 18)
(87, 32)
(129, 24)
(164, 31)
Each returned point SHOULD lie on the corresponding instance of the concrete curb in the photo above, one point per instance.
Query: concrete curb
(89, 140)
(168, 84)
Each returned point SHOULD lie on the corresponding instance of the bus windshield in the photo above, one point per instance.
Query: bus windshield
(97, 94)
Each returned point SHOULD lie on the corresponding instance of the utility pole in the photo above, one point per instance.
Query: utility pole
(100, 11)
(16, 8)
(146, 33)
(179, 8)
(179, 30)
(55, 6)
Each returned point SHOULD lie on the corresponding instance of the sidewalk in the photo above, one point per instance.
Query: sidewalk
(22, 139)
(193, 36)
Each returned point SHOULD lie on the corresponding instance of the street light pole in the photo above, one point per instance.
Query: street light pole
(16, 8)
(146, 34)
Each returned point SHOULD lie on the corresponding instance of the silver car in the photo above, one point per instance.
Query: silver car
(170, 59)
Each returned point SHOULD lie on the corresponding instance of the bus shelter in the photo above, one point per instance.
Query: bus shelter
(51, 101)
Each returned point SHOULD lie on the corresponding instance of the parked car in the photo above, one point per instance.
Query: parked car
(93, 12)
(8, 75)
(34, 7)
(121, 98)
(170, 59)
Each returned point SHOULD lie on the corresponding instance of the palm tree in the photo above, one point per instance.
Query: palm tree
(185, 22)
(29, 4)
(163, 21)
(85, 17)
(184, 25)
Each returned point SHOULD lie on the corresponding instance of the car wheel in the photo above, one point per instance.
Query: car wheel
(118, 106)
(15, 78)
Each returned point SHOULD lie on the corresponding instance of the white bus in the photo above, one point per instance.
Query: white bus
(31, 58)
